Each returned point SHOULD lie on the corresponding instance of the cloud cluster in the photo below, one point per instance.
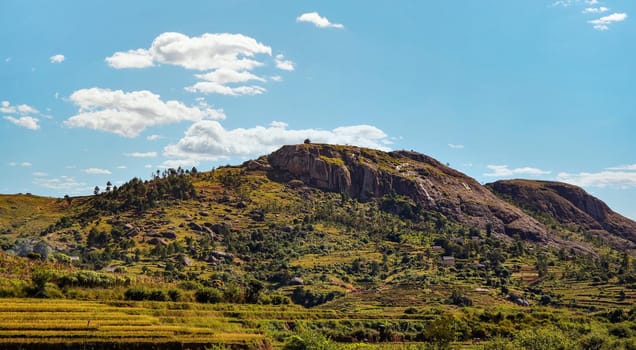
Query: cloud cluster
(23, 115)
(603, 23)
(227, 58)
(316, 19)
(129, 113)
(65, 184)
(141, 154)
(505, 171)
(57, 58)
(209, 140)
(23, 164)
(96, 171)
(601, 9)
(623, 176)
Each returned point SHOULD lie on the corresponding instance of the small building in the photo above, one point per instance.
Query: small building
(437, 248)
(448, 261)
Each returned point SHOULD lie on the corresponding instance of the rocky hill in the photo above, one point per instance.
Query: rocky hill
(569, 205)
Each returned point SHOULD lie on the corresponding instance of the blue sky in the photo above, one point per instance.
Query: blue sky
(107, 90)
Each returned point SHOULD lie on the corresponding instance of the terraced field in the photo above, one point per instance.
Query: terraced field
(75, 324)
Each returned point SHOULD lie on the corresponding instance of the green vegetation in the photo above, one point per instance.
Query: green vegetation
(231, 258)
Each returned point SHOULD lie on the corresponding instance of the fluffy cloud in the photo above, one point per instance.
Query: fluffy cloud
(224, 76)
(25, 122)
(129, 113)
(209, 140)
(283, 64)
(39, 174)
(24, 112)
(505, 171)
(455, 146)
(63, 184)
(57, 58)
(26, 164)
(208, 87)
(96, 171)
(603, 23)
(153, 137)
(606, 178)
(141, 154)
(228, 58)
(623, 167)
(139, 58)
(595, 9)
(317, 20)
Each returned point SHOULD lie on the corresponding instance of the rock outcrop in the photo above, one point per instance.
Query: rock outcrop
(365, 174)
(569, 205)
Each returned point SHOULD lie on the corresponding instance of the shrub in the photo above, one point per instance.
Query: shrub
(174, 294)
(411, 311)
(139, 294)
(208, 295)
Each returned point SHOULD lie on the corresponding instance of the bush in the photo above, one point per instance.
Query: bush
(174, 294)
(543, 339)
(620, 331)
(411, 311)
(140, 294)
(208, 295)
(309, 340)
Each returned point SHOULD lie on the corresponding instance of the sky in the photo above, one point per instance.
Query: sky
(100, 91)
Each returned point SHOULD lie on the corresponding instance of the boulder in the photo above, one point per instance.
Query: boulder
(169, 235)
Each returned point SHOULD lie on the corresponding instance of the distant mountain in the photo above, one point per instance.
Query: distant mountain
(569, 205)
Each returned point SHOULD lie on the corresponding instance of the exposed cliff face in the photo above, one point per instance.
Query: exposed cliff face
(365, 174)
(569, 205)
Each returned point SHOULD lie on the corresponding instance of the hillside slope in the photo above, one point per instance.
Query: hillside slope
(366, 174)
(569, 205)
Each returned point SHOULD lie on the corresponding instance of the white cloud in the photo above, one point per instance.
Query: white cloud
(26, 109)
(40, 174)
(205, 52)
(276, 78)
(129, 113)
(568, 3)
(121, 167)
(25, 122)
(153, 137)
(148, 166)
(215, 82)
(96, 171)
(227, 58)
(183, 163)
(25, 164)
(209, 140)
(623, 167)
(621, 179)
(57, 58)
(208, 87)
(454, 146)
(283, 64)
(317, 20)
(22, 109)
(63, 183)
(141, 154)
(139, 58)
(595, 9)
(224, 76)
(505, 171)
(603, 23)
(12, 164)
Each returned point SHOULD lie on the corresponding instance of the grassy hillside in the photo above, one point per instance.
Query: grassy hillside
(240, 257)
